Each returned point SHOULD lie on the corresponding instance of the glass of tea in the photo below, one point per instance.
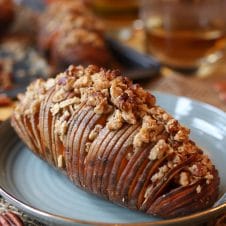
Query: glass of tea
(183, 34)
(117, 14)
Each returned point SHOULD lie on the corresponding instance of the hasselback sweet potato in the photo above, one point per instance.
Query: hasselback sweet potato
(111, 139)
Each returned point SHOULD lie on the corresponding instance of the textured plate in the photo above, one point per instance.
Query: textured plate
(32, 185)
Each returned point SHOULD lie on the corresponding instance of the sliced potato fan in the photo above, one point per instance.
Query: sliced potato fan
(110, 138)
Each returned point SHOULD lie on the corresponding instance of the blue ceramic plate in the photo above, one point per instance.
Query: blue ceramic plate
(38, 189)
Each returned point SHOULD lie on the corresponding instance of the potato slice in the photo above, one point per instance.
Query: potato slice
(53, 135)
(182, 199)
(111, 155)
(81, 126)
(120, 161)
(73, 135)
(42, 112)
(102, 157)
(96, 120)
(90, 160)
(48, 123)
(128, 174)
(140, 190)
(36, 131)
(67, 143)
(43, 122)
(58, 145)
(138, 164)
(28, 127)
(28, 139)
(160, 185)
(177, 199)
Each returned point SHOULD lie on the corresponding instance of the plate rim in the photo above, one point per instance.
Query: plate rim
(43, 215)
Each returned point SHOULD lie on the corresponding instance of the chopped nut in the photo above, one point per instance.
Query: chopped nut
(161, 172)
(59, 96)
(198, 189)
(83, 81)
(177, 159)
(128, 156)
(102, 108)
(60, 161)
(187, 147)
(55, 109)
(193, 169)
(100, 82)
(158, 151)
(115, 121)
(182, 134)
(206, 162)
(148, 131)
(94, 133)
(172, 126)
(67, 102)
(88, 144)
(49, 83)
(208, 177)
(137, 141)
(129, 117)
(184, 179)
(158, 113)
(61, 128)
(166, 117)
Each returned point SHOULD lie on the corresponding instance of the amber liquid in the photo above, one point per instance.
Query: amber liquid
(116, 13)
(184, 48)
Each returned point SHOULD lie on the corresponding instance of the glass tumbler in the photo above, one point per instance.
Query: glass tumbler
(183, 34)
